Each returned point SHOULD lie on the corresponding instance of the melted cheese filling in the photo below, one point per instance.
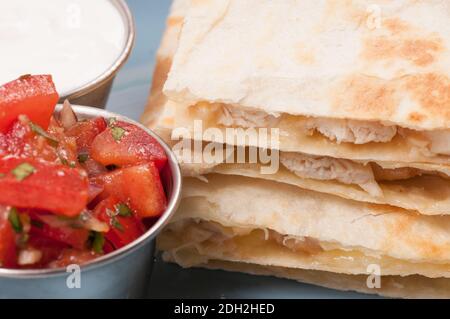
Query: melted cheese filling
(429, 143)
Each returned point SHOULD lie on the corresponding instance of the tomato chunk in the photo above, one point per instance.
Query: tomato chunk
(85, 132)
(139, 186)
(29, 183)
(124, 144)
(49, 248)
(8, 253)
(21, 141)
(34, 96)
(123, 229)
(74, 237)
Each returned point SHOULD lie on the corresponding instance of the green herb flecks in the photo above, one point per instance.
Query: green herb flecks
(23, 170)
(98, 242)
(123, 210)
(114, 222)
(112, 121)
(2, 175)
(65, 162)
(40, 131)
(117, 225)
(117, 133)
(14, 219)
(83, 157)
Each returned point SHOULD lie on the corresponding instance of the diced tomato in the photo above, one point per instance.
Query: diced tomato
(49, 248)
(86, 131)
(21, 141)
(66, 150)
(51, 187)
(139, 186)
(3, 145)
(126, 148)
(18, 137)
(74, 237)
(34, 96)
(124, 229)
(8, 253)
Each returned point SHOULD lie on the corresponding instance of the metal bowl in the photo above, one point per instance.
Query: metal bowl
(124, 273)
(96, 92)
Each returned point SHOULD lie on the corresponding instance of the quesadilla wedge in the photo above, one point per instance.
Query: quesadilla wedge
(417, 186)
(424, 188)
(289, 234)
(269, 228)
(373, 229)
(361, 80)
(391, 286)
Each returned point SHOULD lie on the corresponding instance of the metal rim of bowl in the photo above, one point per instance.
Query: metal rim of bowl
(130, 26)
(90, 112)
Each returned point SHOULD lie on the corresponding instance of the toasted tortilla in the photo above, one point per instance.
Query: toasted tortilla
(292, 138)
(158, 114)
(235, 201)
(268, 248)
(391, 286)
(422, 242)
(427, 195)
(244, 55)
(385, 61)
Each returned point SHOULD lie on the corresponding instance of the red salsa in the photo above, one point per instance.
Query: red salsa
(70, 190)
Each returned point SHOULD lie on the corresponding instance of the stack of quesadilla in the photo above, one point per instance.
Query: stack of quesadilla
(358, 93)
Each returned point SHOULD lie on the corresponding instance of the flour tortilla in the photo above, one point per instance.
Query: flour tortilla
(258, 246)
(391, 286)
(157, 114)
(160, 114)
(245, 54)
(319, 59)
(427, 195)
(235, 201)
(294, 139)
(421, 194)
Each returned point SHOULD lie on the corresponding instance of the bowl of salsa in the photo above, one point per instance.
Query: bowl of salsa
(83, 193)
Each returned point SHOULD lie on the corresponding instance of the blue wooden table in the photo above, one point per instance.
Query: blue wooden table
(129, 97)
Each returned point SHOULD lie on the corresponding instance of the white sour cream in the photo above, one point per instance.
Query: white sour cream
(73, 40)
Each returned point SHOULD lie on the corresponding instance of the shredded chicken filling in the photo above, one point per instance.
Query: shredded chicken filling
(328, 168)
(351, 131)
(241, 117)
(201, 232)
(428, 143)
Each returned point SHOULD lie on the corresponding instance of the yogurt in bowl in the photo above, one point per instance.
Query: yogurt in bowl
(82, 43)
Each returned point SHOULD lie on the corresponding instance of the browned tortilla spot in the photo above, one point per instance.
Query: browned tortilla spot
(396, 25)
(402, 230)
(416, 117)
(366, 95)
(421, 52)
(432, 92)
